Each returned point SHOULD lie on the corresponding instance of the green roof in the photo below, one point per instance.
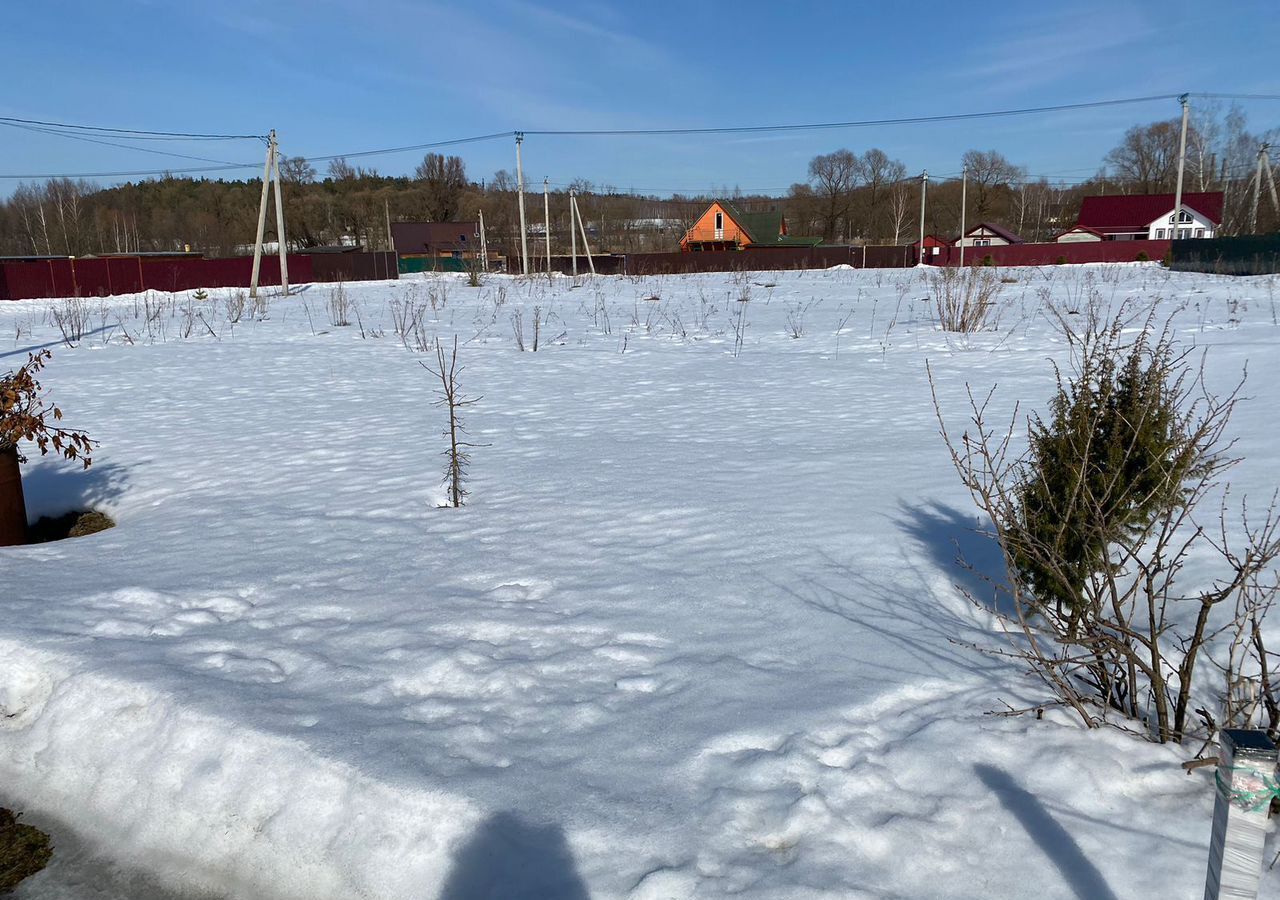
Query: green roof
(764, 228)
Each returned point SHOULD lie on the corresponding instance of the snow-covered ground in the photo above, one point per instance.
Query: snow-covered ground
(695, 633)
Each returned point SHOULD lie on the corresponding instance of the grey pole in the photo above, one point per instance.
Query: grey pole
(546, 217)
(524, 232)
(1246, 780)
(484, 243)
(1182, 163)
(573, 235)
(1271, 179)
(964, 200)
(1257, 190)
(280, 235)
(924, 189)
(262, 215)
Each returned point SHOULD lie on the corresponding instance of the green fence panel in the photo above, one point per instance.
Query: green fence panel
(410, 264)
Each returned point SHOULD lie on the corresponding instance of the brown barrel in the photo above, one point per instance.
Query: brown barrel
(13, 511)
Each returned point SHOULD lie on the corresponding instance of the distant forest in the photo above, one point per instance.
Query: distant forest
(847, 197)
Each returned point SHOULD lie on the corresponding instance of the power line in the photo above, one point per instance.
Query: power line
(865, 123)
(93, 140)
(230, 166)
(178, 135)
(93, 134)
(434, 144)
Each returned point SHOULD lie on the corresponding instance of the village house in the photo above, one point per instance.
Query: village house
(987, 234)
(1143, 217)
(455, 240)
(726, 227)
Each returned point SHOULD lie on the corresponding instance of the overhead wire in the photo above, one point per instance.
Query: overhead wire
(95, 134)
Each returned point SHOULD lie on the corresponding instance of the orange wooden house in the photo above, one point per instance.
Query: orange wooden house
(726, 227)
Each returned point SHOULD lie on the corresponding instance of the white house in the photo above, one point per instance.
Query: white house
(985, 234)
(1146, 217)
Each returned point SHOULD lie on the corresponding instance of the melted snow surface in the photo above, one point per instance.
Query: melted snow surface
(695, 633)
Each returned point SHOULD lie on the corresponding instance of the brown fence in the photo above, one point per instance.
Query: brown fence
(127, 275)
(738, 260)
(605, 263)
(1053, 254)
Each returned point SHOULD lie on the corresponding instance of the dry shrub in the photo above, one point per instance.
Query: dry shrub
(965, 299)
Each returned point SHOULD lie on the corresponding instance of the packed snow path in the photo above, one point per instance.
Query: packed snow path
(695, 633)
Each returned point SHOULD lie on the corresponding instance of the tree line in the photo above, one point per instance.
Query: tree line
(847, 197)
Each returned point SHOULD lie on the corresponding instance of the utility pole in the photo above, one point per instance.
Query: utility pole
(1257, 189)
(964, 199)
(280, 235)
(524, 232)
(386, 209)
(1182, 163)
(924, 189)
(484, 244)
(573, 235)
(1226, 195)
(262, 215)
(586, 248)
(546, 217)
(1271, 179)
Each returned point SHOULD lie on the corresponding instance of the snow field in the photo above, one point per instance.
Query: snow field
(696, 632)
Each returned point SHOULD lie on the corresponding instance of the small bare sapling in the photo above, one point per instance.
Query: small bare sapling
(457, 455)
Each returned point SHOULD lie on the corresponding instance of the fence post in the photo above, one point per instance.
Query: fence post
(1246, 783)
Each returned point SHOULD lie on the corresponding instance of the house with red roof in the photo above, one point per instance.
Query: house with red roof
(988, 234)
(1146, 217)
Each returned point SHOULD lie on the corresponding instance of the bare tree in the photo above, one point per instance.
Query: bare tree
(834, 176)
(296, 170)
(445, 178)
(989, 171)
(1147, 156)
(878, 173)
(341, 170)
(899, 207)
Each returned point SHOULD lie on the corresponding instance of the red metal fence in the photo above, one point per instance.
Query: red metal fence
(127, 275)
(1053, 254)
(102, 277)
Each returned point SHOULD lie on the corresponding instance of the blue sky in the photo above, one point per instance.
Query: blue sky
(335, 77)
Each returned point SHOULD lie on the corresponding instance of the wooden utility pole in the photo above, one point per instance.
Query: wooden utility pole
(1257, 189)
(1271, 179)
(262, 216)
(924, 189)
(270, 173)
(524, 231)
(546, 217)
(573, 235)
(586, 248)
(964, 199)
(280, 234)
(1182, 164)
(484, 244)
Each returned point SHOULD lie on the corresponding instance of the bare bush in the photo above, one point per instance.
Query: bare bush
(1100, 517)
(339, 306)
(457, 455)
(72, 318)
(965, 298)
(517, 327)
(234, 306)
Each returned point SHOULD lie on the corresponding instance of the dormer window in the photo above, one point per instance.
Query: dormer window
(1184, 218)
